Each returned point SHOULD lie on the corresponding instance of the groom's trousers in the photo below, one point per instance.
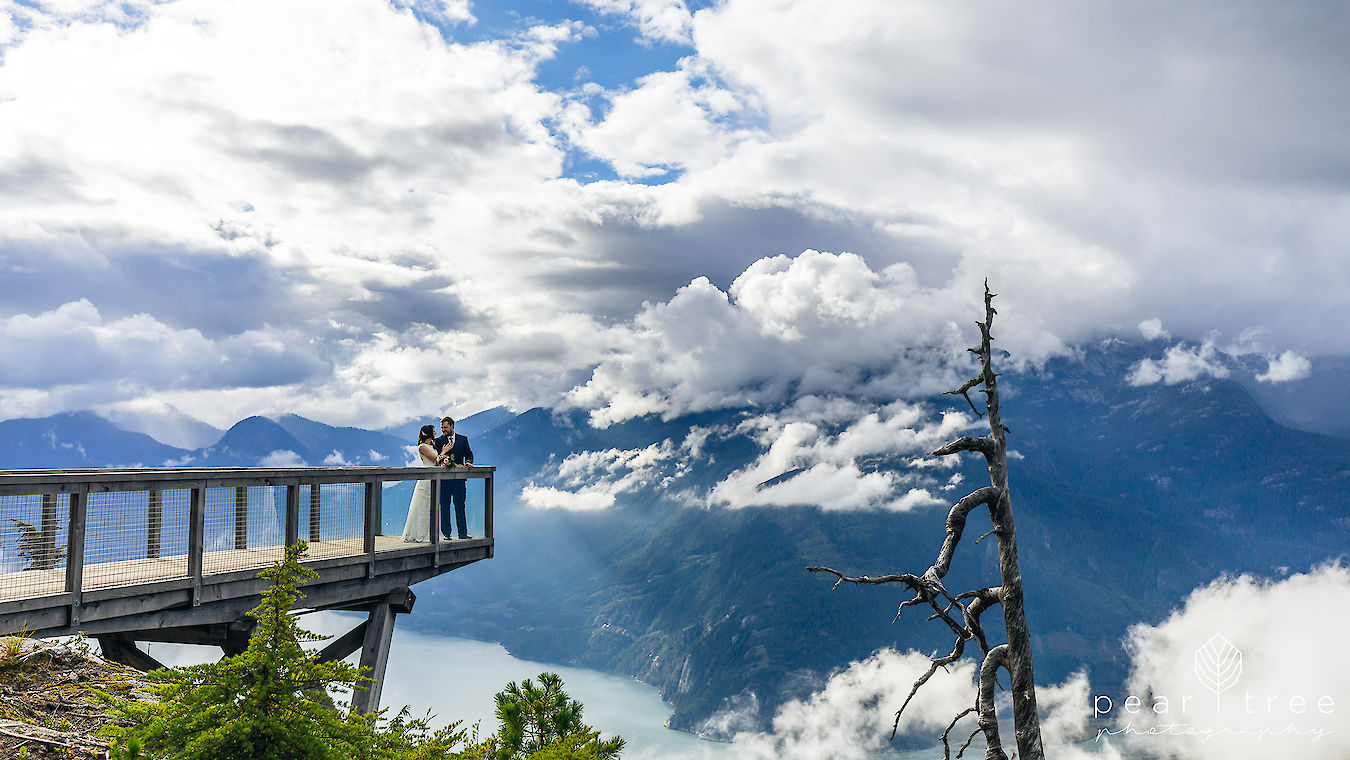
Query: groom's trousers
(453, 490)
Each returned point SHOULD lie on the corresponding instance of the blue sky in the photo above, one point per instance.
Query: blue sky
(368, 210)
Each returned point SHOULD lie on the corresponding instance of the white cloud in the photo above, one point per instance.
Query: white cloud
(814, 324)
(585, 499)
(592, 480)
(282, 458)
(1290, 684)
(75, 344)
(851, 717)
(822, 462)
(1286, 367)
(347, 174)
(662, 20)
(1152, 329)
(1179, 364)
(335, 458)
(449, 12)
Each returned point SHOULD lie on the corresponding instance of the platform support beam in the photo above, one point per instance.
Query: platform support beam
(379, 632)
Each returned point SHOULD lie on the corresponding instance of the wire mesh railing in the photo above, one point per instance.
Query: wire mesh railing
(33, 544)
(131, 527)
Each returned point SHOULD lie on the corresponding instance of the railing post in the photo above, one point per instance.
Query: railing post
(46, 558)
(436, 486)
(154, 534)
(487, 507)
(196, 547)
(75, 552)
(315, 511)
(241, 517)
(373, 522)
(292, 515)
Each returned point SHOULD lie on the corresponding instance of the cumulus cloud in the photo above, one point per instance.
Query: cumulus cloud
(808, 461)
(660, 20)
(74, 344)
(1152, 329)
(831, 452)
(336, 458)
(282, 458)
(1179, 364)
(1278, 692)
(850, 718)
(1286, 367)
(1182, 363)
(449, 12)
(270, 164)
(788, 327)
(592, 480)
(414, 204)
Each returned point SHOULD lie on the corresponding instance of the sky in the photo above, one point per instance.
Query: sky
(365, 211)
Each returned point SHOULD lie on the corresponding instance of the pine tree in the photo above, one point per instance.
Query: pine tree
(268, 703)
(541, 722)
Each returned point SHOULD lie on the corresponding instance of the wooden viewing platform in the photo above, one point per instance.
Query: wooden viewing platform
(173, 555)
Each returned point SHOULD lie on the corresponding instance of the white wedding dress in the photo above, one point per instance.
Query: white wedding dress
(418, 526)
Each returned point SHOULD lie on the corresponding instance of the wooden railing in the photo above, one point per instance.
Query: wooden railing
(68, 533)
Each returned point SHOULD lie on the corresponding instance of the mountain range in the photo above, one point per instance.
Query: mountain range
(1126, 498)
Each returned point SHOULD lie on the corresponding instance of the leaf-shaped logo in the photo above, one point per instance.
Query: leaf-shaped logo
(1218, 665)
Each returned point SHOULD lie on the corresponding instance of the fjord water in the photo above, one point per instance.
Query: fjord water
(456, 678)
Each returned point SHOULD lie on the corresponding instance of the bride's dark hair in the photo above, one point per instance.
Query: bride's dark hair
(427, 433)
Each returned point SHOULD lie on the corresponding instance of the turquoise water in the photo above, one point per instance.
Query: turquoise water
(456, 678)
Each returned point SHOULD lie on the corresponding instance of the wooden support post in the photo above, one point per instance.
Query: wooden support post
(487, 507)
(241, 517)
(154, 532)
(375, 656)
(196, 540)
(344, 645)
(237, 635)
(51, 520)
(120, 649)
(292, 515)
(375, 645)
(372, 523)
(315, 513)
(436, 486)
(75, 553)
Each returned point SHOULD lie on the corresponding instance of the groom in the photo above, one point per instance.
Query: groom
(455, 448)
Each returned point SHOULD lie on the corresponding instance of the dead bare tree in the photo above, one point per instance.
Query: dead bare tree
(961, 612)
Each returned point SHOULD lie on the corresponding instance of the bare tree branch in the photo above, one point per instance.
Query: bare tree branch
(964, 390)
(956, 525)
(946, 748)
(979, 444)
(933, 665)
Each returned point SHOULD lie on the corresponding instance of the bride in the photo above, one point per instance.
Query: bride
(418, 527)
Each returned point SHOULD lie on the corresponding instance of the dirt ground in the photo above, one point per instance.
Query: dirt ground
(48, 707)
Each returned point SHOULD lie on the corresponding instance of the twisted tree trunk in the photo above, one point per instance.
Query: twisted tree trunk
(1015, 655)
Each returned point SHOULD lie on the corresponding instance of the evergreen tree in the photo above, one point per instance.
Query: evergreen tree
(541, 722)
(270, 702)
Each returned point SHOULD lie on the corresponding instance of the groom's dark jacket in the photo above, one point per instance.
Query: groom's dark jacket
(463, 454)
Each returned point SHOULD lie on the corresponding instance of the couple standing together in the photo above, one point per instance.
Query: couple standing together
(447, 450)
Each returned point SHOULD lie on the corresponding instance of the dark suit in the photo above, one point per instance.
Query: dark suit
(454, 489)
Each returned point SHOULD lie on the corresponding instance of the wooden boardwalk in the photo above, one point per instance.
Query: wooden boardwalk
(24, 584)
(174, 555)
